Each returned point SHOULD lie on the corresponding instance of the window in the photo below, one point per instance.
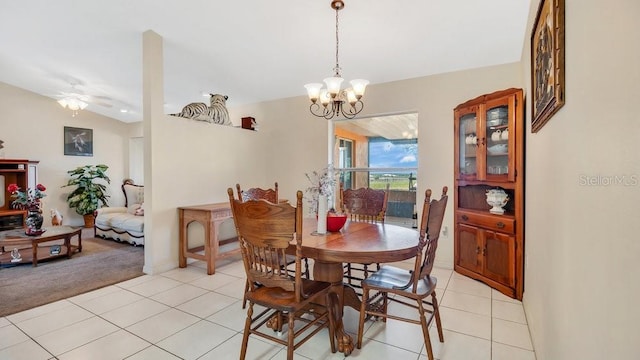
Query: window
(374, 152)
(397, 161)
(345, 160)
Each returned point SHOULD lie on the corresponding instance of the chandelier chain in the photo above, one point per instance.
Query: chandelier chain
(337, 68)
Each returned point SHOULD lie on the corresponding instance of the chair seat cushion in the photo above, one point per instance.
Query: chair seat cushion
(393, 278)
(280, 299)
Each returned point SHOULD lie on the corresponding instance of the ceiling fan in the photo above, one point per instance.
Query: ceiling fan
(76, 99)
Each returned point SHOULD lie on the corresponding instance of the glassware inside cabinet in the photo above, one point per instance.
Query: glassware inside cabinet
(468, 142)
(497, 133)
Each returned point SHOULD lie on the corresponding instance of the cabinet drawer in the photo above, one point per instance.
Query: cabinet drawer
(487, 221)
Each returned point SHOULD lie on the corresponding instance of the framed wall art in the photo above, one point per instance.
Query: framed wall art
(547, 62)
(78, 141)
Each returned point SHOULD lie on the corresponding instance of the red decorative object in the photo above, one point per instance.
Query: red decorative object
(335, 222)
(27, 200)
(248, 123)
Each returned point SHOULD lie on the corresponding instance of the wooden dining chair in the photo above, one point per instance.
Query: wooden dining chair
(270, 195)
(415, 285)
(265, 231)
(365, 205)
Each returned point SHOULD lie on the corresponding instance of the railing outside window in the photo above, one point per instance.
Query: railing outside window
(402, 186)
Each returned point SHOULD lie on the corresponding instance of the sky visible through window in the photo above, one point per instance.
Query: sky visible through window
(390, 154)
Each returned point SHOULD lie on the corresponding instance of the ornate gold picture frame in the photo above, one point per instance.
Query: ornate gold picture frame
(547, 62)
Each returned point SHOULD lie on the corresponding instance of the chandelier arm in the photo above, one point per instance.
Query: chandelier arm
(353, 110)
(337, 108)
(329, 112)
(323, 112)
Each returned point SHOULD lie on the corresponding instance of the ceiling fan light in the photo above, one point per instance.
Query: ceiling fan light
(63, 103)
(73, 103)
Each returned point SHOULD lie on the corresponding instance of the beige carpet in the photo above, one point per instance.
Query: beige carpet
(101, 263)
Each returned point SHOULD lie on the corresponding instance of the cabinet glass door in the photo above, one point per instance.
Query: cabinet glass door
(497, 140)
(468, 146)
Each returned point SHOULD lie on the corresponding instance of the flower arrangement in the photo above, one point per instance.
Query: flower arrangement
(323, 183)
(27, 200)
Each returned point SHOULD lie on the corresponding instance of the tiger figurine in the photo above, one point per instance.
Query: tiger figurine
(215, 113)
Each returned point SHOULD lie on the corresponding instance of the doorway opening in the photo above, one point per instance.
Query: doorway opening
(373, 152)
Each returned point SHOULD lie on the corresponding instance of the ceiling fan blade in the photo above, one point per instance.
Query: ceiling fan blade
(102, 103)
(102, 97)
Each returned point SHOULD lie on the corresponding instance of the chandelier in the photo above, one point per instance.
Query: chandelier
(333, 99)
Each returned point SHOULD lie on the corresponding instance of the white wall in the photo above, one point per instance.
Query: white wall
(136, 159)
(296, 141)
(187, 162)
(581, 275)
(32, 125)
(192, 162)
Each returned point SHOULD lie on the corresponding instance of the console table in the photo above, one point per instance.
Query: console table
(210, 216)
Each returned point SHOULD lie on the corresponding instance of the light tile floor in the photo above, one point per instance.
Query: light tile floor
(186, 314)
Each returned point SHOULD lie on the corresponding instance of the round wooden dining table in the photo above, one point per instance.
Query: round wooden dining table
(356, 242)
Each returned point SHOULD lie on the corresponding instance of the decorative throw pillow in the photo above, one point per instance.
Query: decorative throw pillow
(140, 210)
(134, 194)
(133, 208)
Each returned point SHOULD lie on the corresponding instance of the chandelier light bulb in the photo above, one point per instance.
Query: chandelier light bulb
(359, 86)
(351, 97)
(333, 85)
(325, 98)
(313, 90)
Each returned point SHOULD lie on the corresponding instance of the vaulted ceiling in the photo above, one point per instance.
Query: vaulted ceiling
(250, 50)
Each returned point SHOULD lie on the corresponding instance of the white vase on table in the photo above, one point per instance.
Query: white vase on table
(322, 214)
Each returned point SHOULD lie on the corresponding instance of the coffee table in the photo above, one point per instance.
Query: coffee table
(11, 239)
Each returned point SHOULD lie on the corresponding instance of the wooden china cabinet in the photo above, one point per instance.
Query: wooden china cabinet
(489, 154)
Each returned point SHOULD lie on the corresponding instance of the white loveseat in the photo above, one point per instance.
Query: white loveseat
(123, 223)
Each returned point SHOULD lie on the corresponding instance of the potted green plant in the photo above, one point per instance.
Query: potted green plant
(89, 194)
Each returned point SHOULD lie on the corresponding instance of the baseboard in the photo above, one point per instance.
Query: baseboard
(155, 269)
